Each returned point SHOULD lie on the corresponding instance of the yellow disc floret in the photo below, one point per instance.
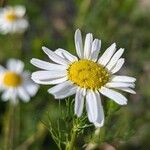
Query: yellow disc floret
(12, 79)
(88, 74)
(11, 16)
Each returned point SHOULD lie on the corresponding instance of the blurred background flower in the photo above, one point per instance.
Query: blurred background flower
(15, 83)
(12, 19)
(52, 23)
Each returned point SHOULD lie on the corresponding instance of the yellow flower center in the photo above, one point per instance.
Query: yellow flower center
(88, 74)
(12, 79)
(11, 16)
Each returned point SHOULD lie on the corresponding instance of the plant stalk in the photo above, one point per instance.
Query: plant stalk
(70, 144)
(9, 125)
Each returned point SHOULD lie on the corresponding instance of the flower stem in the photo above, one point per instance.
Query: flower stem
(17, 124)
(93, 144)
(70, 144)
(9, 127)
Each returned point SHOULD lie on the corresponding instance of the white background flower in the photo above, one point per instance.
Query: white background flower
(12, 19)
(16, 83)
(87, 76)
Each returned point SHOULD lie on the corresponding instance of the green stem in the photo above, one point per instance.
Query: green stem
(96, 137)
(17, 124)
(9, 127)
(70, 144)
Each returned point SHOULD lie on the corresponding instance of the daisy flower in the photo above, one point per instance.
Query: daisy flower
(12, 19)
(87, 76)
(15, 82)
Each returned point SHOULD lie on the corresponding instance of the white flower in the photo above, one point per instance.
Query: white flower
(16, 83)
(12, 19)
(86, 76)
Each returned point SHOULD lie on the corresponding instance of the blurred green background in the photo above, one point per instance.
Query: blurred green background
(52, 24)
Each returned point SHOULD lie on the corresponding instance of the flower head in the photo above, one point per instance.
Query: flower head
(87, 76)
(16, 83)
(12, 19)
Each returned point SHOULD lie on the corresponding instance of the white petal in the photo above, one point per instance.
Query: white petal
(126, 90)
(59, 87)
(26, 75)
(15, 65)
(1, 84)
(91, 106)
(79, 102)
(104, 59)
(20, 10)
(118, 66)
(78, 43)
(88, 45)
(22, 93)
(48, 75)
(46, 65)
(30, 87)
(66, 55)
(11, 95)
(100, 118)
(20, 25)
(115, 96)
(2, 69)
(6, 95)
(96, 45)
(123, 79)
(120, 84)
(115, 59)
(3, 30)
(54, 57)
(52, 80)
(63, 90)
